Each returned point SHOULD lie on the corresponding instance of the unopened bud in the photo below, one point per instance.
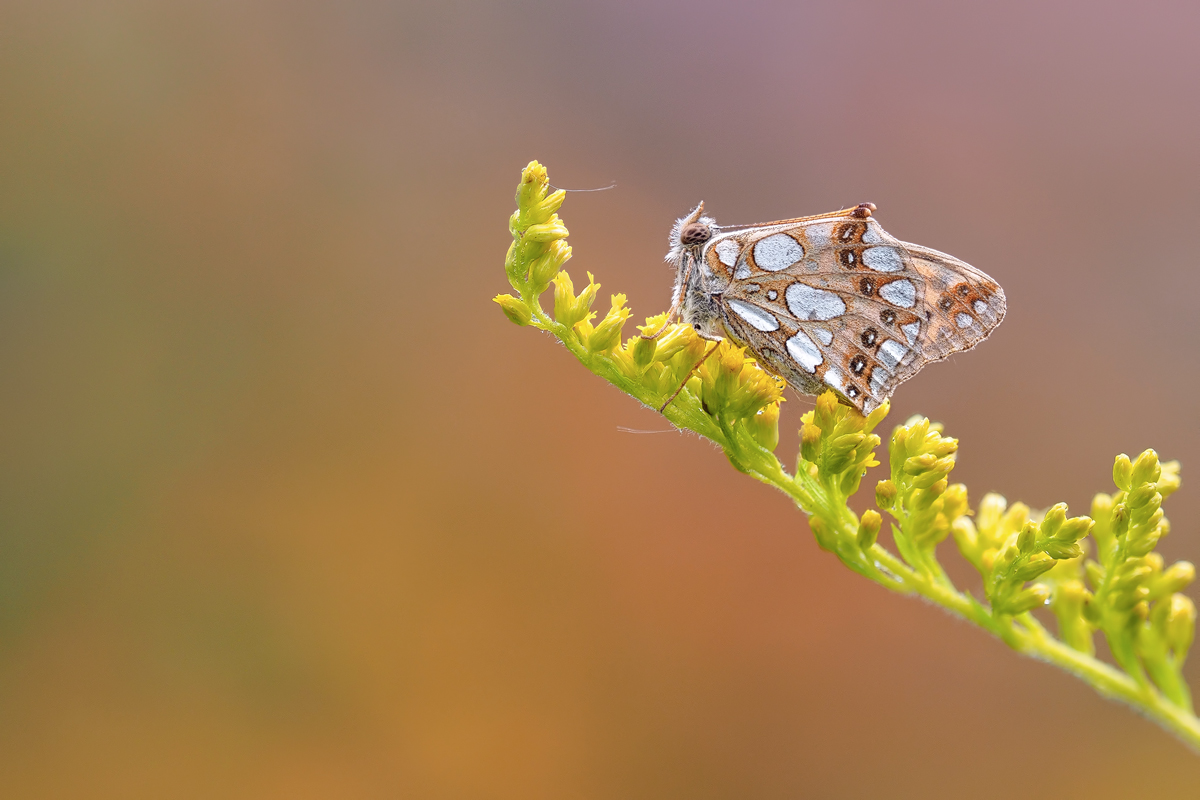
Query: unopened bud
(608, 333)
(643, 351)
(1074, 529)
(546, 266)
(954, 501)
(1141, 496)
(1054, 519)
(876, 416)
(885, 494)
(826, 538)
(810, 442)
(920, 464)
(1174, 579)
(1063, 550)
(546, 231)
(513, 308)
(1145, 469)
(1168, 481)
(1122, 472)
(1027, 538)
(991, 510)
(1037, 564)
(1033, 597)
(868, 528)
(1181, 625)
(825, 414)
(764, 426)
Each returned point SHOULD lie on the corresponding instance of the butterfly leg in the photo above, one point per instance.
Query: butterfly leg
(673, 314)
(715, 341)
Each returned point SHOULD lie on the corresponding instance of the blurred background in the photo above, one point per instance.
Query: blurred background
(289, 509)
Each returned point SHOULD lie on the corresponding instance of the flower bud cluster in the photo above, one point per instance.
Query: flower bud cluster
(1134, 599)
(1027, 555)
(539, 248)
(837, 444)
(919, 494)
(733, 386)
(730, 387)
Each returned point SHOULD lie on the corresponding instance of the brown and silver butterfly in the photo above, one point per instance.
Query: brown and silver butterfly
(831, 301)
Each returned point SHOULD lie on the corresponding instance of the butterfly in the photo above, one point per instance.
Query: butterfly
(831, 301)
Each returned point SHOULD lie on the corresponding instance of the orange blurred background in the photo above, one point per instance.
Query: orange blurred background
(288, 508)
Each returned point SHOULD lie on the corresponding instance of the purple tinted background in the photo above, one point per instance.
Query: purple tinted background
(290, 510)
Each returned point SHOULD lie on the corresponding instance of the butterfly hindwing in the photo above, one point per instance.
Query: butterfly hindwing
(835, 301)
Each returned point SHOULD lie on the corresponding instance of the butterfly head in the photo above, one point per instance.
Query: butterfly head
(689, 233)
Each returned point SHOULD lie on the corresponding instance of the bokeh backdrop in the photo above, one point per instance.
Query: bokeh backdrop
(288, 509)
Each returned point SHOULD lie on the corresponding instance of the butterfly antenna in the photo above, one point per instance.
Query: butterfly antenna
(612, 185)
(688, 377)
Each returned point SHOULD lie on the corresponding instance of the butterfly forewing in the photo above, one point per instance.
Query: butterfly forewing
(835, 301)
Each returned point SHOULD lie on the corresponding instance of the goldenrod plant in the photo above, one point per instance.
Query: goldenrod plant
(1027, 560)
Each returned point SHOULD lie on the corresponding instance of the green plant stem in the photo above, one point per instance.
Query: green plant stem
(1030, 638)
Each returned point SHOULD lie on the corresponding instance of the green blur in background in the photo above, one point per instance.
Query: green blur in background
(289, 509)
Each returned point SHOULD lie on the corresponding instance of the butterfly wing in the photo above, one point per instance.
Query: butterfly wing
(837, 302)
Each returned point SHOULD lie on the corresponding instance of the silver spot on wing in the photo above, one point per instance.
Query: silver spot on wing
(883, 259)
(758, 318)
(899, 293)
(777, 252)
(804, 351)
(808, 303)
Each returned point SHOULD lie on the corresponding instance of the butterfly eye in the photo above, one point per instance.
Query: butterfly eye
(867, 286)
(887, 316)
(695, 233)
(870, 335)
(946, 303)
(857, 365)
(963, 290)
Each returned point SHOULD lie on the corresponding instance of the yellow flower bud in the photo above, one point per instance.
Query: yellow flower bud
(764, 425)
(826, 538)
(546, 231)
(642, 351)
(1027, 538)
(1063, 550)
(1168, 481)
(569, 309)
(1145, 469)
(967, 538)
(810, 442)
(868, 528)
(608, 333)
(1181, 625)
(1054, 519)
(547, 265)
(544, 209)
(991, 511)
(826, 410)
(885, 494)
(1122, 472)
(918, 465)
(1174, 579)
(1036, 565)
(1027, 600)
(876, 416)
(513, 308)
(954, 502)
